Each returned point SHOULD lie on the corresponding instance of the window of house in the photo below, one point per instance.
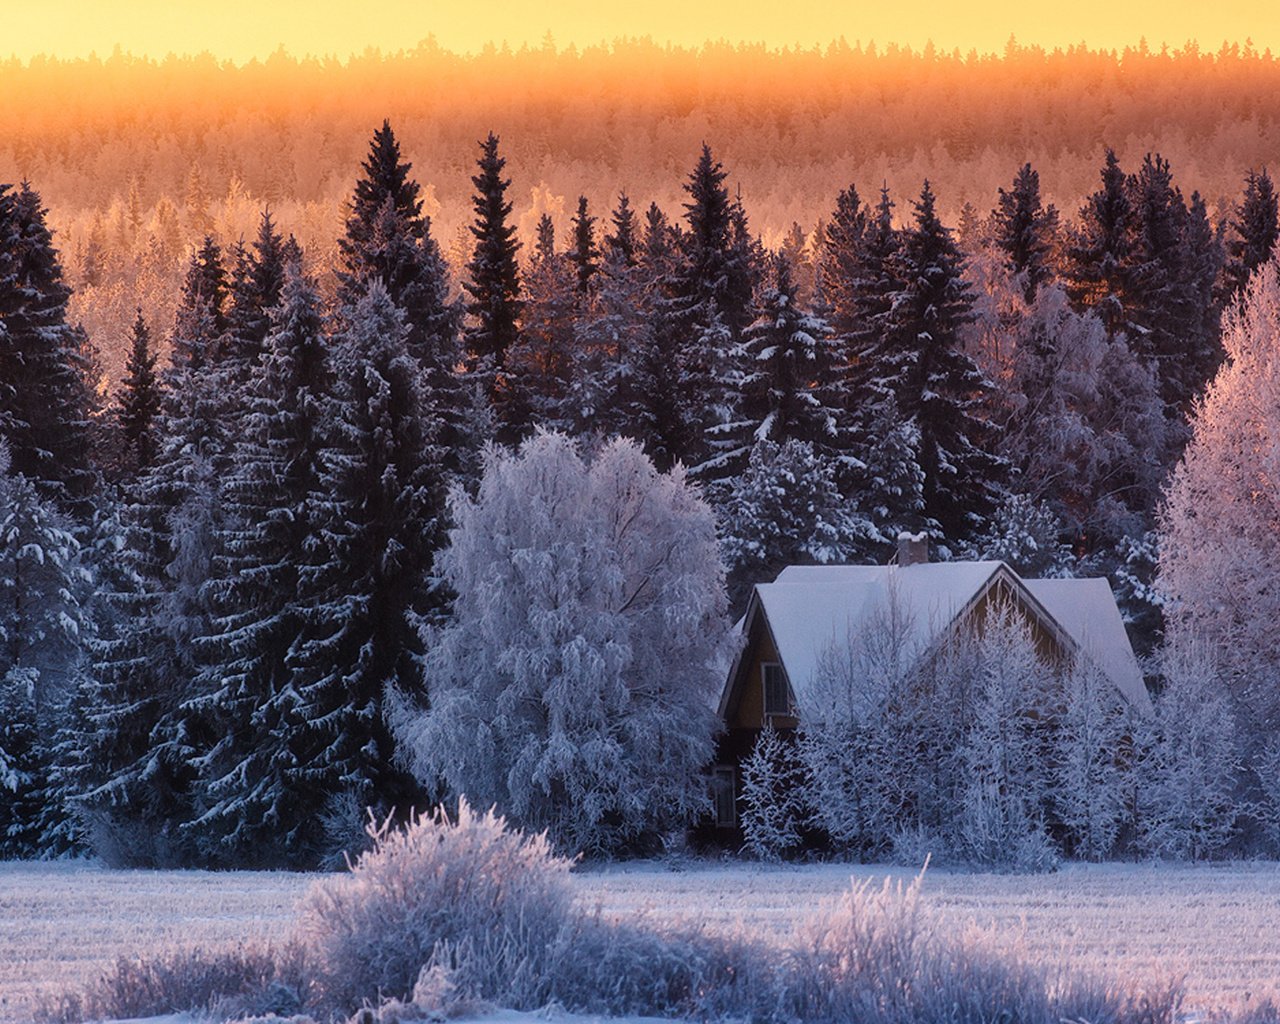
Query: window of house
(777, 697)
(725, 797)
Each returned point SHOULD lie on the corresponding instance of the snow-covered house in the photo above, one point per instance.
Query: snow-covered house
(790, 622)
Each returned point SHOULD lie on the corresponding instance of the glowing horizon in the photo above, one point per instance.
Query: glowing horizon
(241, 30)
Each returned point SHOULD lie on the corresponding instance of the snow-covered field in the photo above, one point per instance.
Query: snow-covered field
(1217, 925)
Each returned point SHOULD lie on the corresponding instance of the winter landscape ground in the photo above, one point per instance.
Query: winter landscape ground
(1213, 924)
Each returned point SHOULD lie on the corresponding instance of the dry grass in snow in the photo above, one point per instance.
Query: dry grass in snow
(1216, 925)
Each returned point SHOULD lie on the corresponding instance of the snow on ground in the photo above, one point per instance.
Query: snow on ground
(1215, 924)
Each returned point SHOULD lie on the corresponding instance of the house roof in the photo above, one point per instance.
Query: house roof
(809, 607)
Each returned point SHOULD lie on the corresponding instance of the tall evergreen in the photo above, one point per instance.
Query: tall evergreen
(139, 401)
(389, 239)
(1255, 229)
(1024, 230)
(623, 241)
(657, 372)
(920, 361)
(585, 254)
(382, 523)
(44, 395)
(786, 365)
(252, 809)
(43, 632)
(206, 280)
(1098, 255)
(493, 282)
(540, 365)
(256, 283)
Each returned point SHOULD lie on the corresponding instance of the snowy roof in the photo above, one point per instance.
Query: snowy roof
(809, 607)
(1087, 610)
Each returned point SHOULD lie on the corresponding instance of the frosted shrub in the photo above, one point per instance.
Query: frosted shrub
(462, 893)
(773, 783)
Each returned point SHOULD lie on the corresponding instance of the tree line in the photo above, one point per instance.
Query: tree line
(219, 573)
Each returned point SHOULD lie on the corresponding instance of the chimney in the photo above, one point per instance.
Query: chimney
(913, 549)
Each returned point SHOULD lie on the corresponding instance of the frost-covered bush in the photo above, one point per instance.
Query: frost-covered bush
(773, 796)
(1005, 786)
(1092, 776)
(1188, 763)
(465, 890)
(226, 984)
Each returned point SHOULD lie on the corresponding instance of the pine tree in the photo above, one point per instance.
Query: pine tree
(1025, 230)
(382, 524)
(44, 630)
(493, 283)
(541, 363)
(253, 812)
(1098, 256)
(623, 242)
(663, 426)
(206, 280)
(1256, 229)
(256, 282)
(787, 364)
(44, 394)
(139, 401)
(920, 362)
(389, 239)
(585, 254)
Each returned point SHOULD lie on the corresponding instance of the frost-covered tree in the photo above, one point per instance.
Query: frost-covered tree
(1092, 777)
(784, 509)
(542, 363)
(1220, 528)
(920, 361)
(257, 279)
(1006, 781)
(370, 585)
(1098, 253)
(772, 798)
(44, 391)
(44, 632)
(253, 808)
(574, 685)
(1187, 761)
(860, 733)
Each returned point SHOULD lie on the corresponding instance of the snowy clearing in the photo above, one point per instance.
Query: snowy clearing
(60, 923)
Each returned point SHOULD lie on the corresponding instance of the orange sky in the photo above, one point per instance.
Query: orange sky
(243, 29)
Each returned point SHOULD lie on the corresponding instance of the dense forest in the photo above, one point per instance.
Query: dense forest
(138, 160)
(221, 568)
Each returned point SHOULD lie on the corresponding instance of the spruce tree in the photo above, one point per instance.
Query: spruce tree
(1255, 229)
(585, 254)
(44, 395)
(1024, 230)
(623, 241)
(206, 280)
(252, 810)
(921, 363)
(1098, 255)
(44, 630)
(256, 282)
(493, 284)
(388, 238)
(139, 401)
(381, 526)
(786, 364)
(540, 366)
